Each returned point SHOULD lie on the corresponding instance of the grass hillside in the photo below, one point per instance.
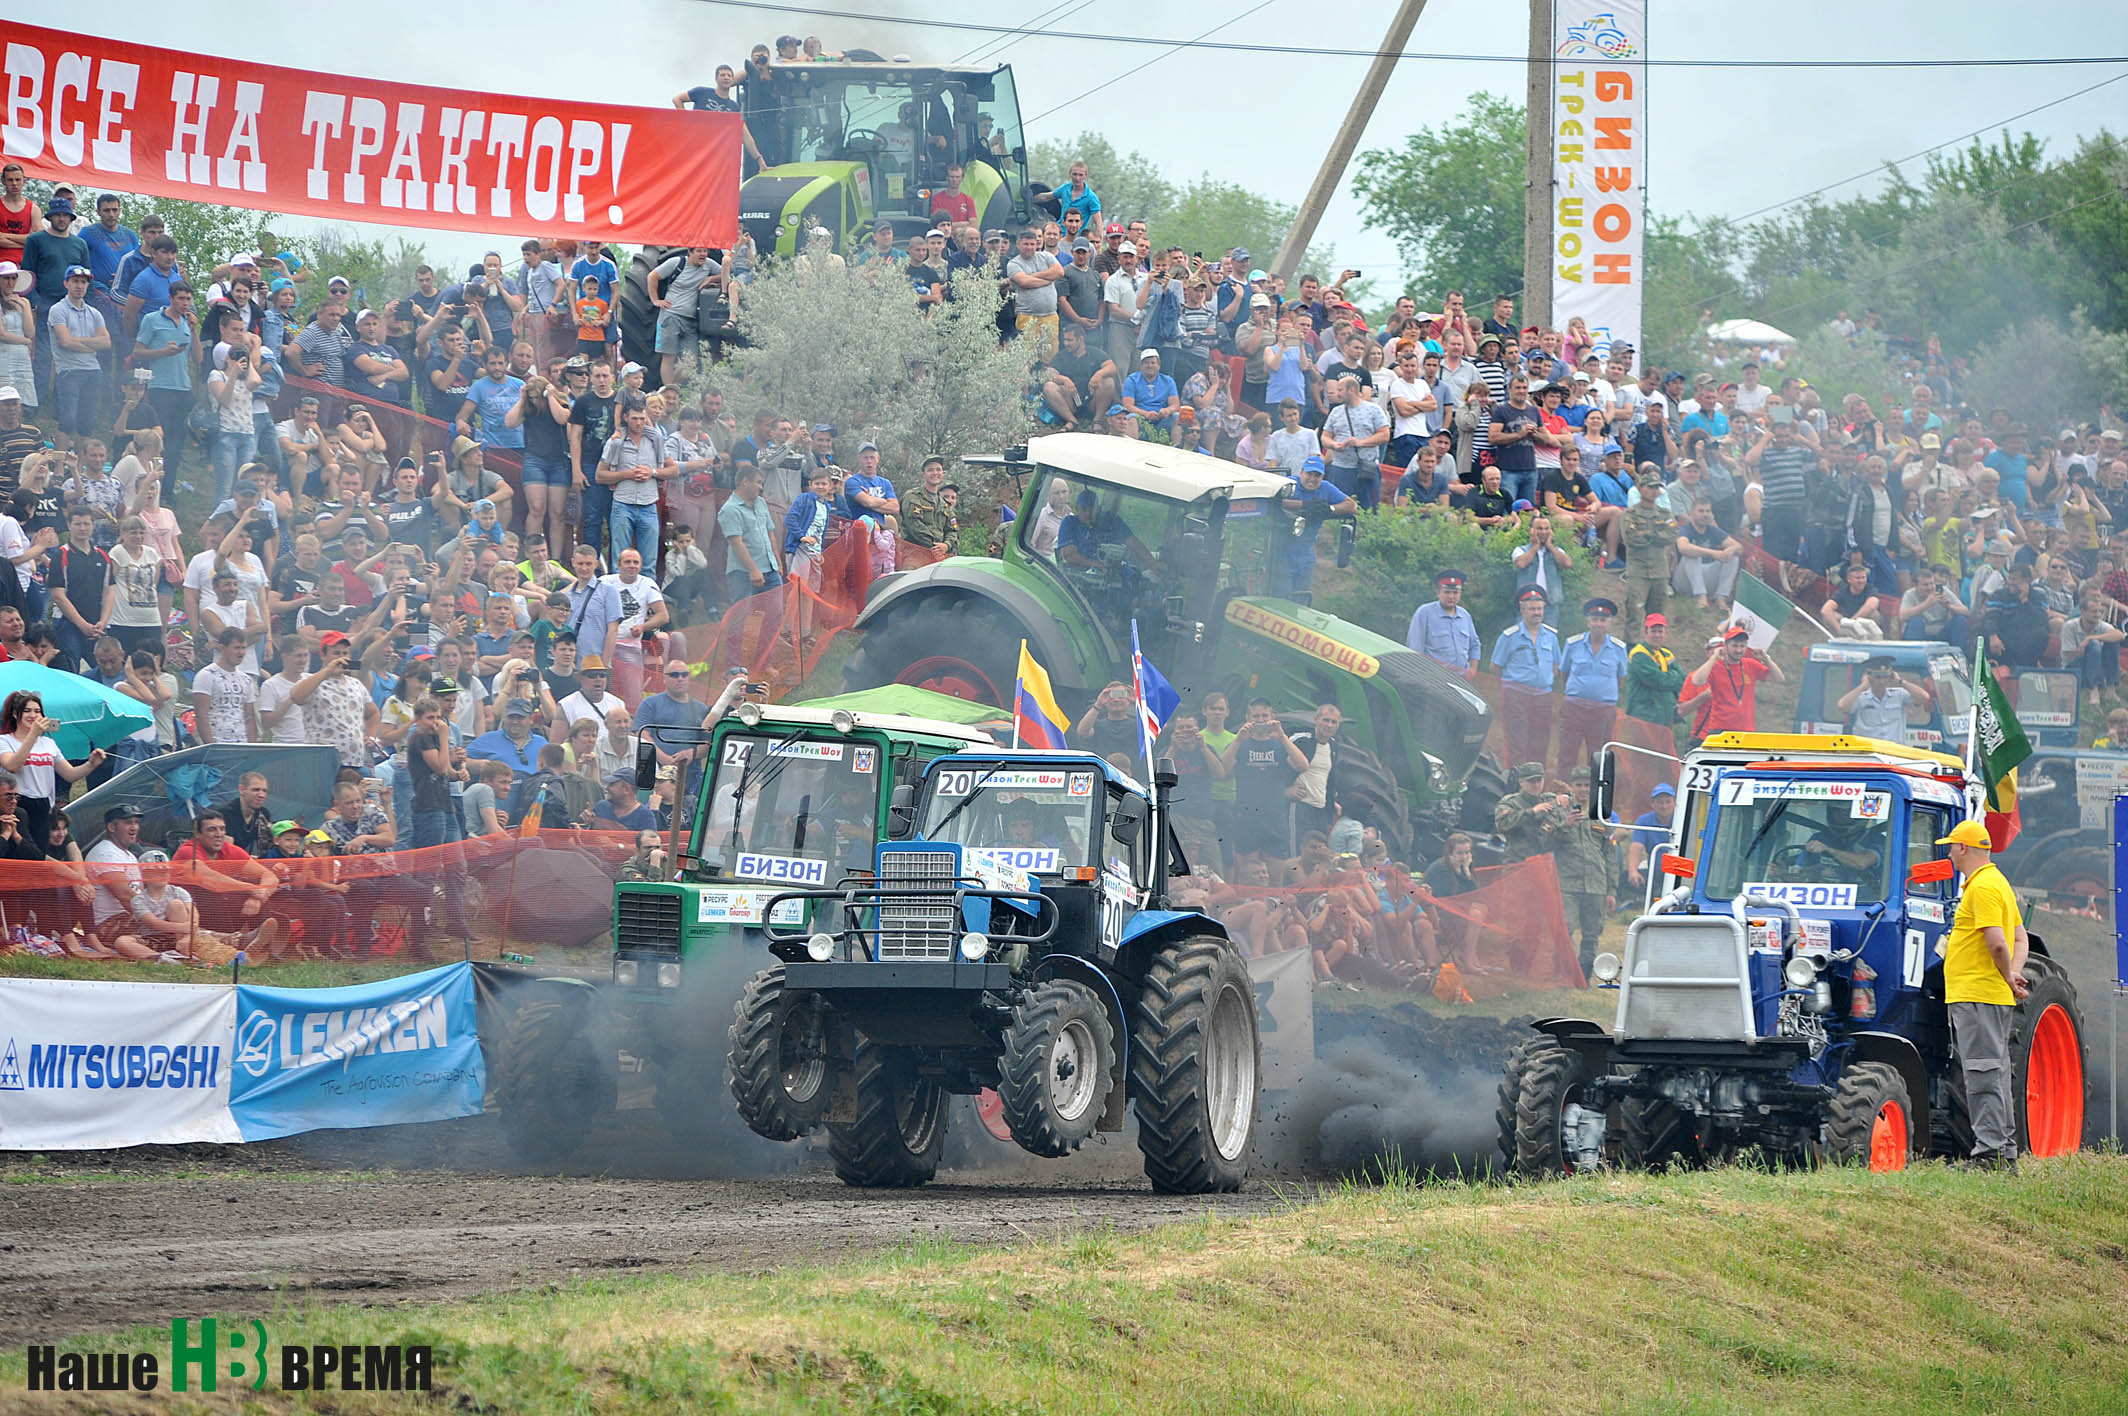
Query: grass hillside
(1732, 1291)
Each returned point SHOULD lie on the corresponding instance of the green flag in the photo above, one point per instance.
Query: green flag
(1760, 609)
(1999, 741)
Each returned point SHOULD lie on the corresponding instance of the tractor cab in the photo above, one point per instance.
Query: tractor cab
(2048, 703)
(1936, 715)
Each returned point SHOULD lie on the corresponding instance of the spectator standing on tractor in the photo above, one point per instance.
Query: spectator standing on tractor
(1983, 977)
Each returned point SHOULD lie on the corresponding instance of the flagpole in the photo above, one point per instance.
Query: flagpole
(1975, 792)
(1145, 740)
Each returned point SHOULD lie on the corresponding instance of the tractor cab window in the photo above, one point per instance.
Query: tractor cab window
(1117, 547)
(1801, 832)
(1039, 819)
(1246, 551)
(876, 122)
(785, 809)
(1126, 858)
(995, 128)
(1954, 687)
(1837, 681)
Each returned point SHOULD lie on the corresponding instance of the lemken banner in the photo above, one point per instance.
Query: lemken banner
(90, 1066)
(374, 1054)
(1599, 166)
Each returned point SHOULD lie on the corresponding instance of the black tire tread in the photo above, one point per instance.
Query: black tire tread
(1656, 1134)
(553, 1087)
(1023, 1068)
(1549, 1071)
(1862, 1090)
(979, 630)
(871, 1152)
(1509, 1094)
(754, 1063)
(1167, 1080)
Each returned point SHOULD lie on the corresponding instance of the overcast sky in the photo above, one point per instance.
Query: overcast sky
(1720, 142)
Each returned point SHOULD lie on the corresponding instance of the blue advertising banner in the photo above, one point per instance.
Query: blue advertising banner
(373, 1054)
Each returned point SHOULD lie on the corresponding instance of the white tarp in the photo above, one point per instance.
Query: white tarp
(90, 1065)
(1599, 166)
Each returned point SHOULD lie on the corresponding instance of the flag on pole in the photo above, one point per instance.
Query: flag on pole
(1760, 609)
(1995, 746)
(1157, 699)
(1037, 721)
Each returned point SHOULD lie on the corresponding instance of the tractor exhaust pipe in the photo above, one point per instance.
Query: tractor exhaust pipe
(1164, 779)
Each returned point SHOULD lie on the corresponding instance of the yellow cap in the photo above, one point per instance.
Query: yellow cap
(1968, 833)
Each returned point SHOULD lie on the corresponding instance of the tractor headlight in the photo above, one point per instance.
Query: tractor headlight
(1436, 774)
(668, 975)
(624, 973)
(749, 714)
(975, 947)
(842, 720)
(1606, 967)
(820, 948)
(1799, 972)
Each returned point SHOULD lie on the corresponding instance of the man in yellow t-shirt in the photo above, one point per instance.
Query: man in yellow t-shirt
(1983, 977)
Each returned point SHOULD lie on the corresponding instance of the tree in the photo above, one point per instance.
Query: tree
(1452, 199)
(2053, 374)
(848, 346)
(375, 272)
(1129, 187)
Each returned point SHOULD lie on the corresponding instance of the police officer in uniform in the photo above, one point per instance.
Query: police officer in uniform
(1443, 630)
(1529, 816)
(1588, 870)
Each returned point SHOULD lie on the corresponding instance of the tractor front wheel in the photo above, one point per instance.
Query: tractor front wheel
(1553, 1080)
(557, 1078)
(1871, 1120)
(781, 1075)
(1058, 1063)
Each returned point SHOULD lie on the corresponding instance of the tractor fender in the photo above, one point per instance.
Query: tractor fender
(1047, 642)
(1581, 1036)
(1149, 928)
(1905, 1059)
(1078, 970)
(1565, 1028)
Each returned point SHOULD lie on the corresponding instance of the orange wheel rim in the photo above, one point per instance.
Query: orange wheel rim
(2054, 1085)
(1888, 1138)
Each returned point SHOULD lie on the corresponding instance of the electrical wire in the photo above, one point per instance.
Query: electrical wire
(1173, 49)
(1238, 46)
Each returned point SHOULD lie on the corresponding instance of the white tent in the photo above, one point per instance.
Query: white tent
(1747, 332)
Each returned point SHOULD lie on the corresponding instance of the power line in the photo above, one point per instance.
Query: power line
(992, 46)
(1174, 48)
(1238, 46)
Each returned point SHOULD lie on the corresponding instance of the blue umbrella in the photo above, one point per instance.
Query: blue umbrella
(89, 715)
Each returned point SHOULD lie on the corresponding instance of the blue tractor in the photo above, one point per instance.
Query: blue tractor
(1786, 998)
(1016, 935)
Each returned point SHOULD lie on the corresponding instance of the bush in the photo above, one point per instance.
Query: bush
(1400, 551)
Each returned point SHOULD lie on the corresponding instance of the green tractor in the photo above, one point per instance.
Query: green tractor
(1196, 537)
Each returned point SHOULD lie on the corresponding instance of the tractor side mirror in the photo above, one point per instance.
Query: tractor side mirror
(1683, 867)
(901, 813)
(1931, 872)
(1603, 784)
(1126, 821)
(646, 764)
(1348, 536)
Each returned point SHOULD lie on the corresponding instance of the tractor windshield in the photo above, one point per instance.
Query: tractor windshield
(1246, 555)
(1773, 836)
(805, 811)
(1039, 819)
(1117, 547)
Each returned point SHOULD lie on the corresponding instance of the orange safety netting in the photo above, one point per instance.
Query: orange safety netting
(552, 887)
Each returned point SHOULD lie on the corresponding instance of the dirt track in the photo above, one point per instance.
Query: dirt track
(127, 1237)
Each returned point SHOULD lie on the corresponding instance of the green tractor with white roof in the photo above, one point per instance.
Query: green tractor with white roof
(1193, 571)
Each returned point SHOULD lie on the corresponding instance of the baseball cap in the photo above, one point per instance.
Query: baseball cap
(2065, 435)
(1240, 254)
(1968, 833)
(278, 284)
(82, 271)
(518, 708)
(868, 447)
(1116, 410)
(1931, 440)
(330, 637)
(1115, 228)
(1256, 275)
(1127, 247)
(1080, 243)
(365, 314)
(1662, 789)
(1311, 463)
(1657, 619)
(1145, 354)
(1735, 631)
(282, 828)
(122, 810)
(828, 428)
(612, 777)
(8, 394)
(342, 282)
(1259, 301)
(315, 838)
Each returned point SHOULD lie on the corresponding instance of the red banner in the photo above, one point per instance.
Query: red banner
(131, 118)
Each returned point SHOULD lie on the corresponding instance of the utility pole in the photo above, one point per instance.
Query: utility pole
(1348, 138)
(1537, 179)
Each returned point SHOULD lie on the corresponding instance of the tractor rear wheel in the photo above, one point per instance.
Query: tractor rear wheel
(1657, 1134)
(1510, 1095)
(1871, 1119)
(1058, 1063)
(949, 643)
(557, 1079)
(900, 1128)
(2049, 1080)
(2078, 874)
(780, 1073)
(1553, 1078)
(1196, 1064)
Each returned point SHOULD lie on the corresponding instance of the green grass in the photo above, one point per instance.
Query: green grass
(1733, 1291)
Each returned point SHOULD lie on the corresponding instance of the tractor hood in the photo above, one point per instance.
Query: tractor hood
(771, 202)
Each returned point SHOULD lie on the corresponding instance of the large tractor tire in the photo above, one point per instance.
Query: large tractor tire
(1553, 1077)
(639, 318)
(1195, 1067)
(558, 1077)
(1657, 1135)
(1482, 791)
(780, 1073)
(900, 1128)
(1510, 1097)
(2077, 877)
(1871, 1119)
(952, 643)
(1058, 1063)
(2049, 1081)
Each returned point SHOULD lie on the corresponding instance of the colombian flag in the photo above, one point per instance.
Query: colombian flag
(1037, 721)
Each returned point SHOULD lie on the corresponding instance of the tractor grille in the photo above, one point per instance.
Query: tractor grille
(646, 923)
(927, 926)
(1686, 978)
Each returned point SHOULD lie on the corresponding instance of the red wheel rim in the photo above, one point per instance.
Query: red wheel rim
(990, 1109)
(945, 673)
(2054, 1085)
(1888, 1138)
